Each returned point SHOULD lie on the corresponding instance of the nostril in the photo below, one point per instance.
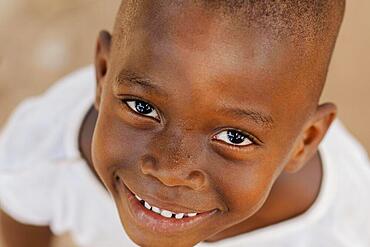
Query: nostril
(147, 165)
(197, 179)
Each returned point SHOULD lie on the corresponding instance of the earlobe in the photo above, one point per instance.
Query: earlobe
(101, 63)
(309, 140)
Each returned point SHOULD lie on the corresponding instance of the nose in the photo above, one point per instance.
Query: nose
(174, 175)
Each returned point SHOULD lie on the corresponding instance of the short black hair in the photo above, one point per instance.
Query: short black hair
(304, 19)
(312, 26)
(307, 19)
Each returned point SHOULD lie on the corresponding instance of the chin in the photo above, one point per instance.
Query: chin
(147, 228)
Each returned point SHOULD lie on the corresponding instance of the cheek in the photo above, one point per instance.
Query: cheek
(246, 189)
(114, 145)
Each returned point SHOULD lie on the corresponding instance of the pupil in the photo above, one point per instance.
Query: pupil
(235, 136)
(143, 107)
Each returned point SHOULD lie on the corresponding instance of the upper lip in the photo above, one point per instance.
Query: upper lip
(159, 203)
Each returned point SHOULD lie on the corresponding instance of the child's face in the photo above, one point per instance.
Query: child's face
(201, 117)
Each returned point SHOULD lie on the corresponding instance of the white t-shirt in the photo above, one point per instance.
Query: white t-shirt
(45, 181)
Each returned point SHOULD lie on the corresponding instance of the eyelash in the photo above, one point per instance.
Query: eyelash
(250, 137)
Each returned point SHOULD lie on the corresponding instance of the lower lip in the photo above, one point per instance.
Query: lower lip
(158, 223)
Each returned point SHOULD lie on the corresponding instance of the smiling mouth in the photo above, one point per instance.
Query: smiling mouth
(160, 219)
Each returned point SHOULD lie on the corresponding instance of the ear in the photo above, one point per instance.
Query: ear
(101, 63)
(309, 140)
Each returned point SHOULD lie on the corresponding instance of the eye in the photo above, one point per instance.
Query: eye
(234, 137)
(142, 108)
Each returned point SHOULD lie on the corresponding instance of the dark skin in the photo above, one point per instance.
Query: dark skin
(179, 155)
(298, 191)
(176, 152)
(15, 234)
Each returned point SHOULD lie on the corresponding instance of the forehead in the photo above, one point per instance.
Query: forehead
(196, 49)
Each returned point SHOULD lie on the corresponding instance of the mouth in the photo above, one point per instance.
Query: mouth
(160, 219)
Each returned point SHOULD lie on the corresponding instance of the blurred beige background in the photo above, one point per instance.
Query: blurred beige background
(42, 40)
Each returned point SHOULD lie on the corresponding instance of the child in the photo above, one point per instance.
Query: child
(203, 128)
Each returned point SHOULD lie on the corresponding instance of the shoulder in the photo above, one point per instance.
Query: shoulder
(345, 153)
(340, 140)
(346, 156)
(348, 170)
(37, 127)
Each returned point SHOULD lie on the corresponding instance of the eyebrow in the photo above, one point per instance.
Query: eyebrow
(258, 117)
(127, 77)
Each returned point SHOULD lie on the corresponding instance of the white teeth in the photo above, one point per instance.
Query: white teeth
(166, 213)
(156, 210)
(147, 205)
(192, 214)
(179, 216)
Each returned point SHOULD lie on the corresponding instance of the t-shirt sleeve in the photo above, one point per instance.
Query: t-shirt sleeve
(26, 180)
